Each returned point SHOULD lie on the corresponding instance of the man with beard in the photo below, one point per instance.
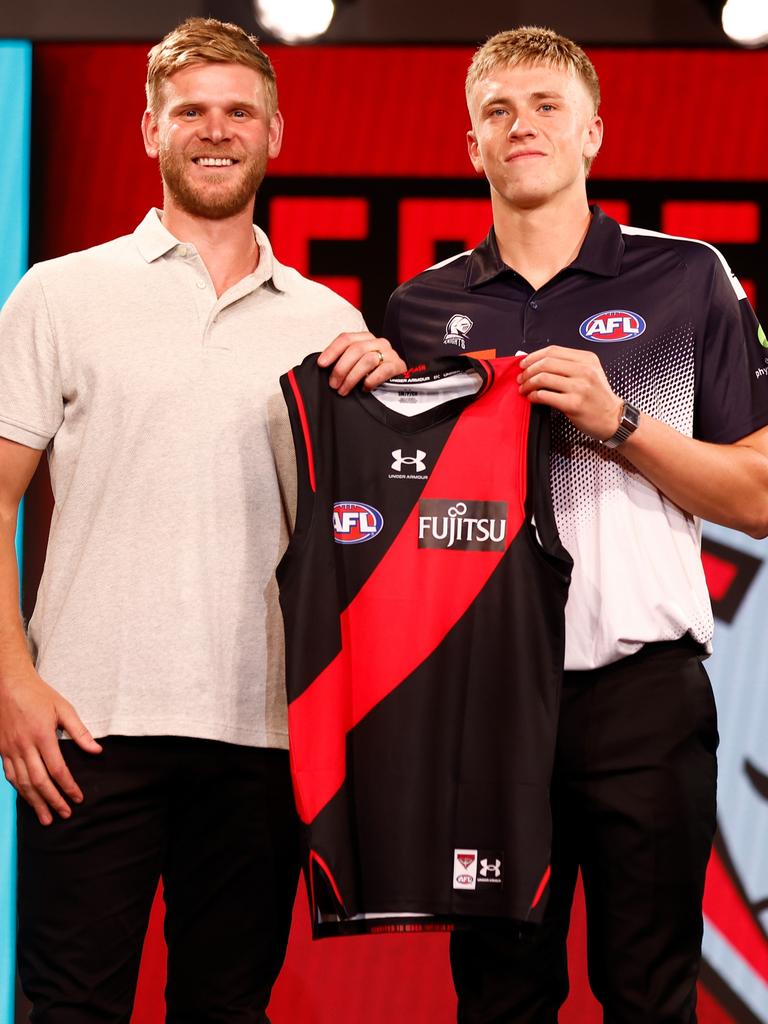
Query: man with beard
(148, 367)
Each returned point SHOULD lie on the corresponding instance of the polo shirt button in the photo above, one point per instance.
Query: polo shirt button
(200, 283)
(534, 305)
(182, 250)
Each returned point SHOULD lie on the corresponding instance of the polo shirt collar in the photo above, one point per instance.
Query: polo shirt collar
(154, 240)
(601, 253)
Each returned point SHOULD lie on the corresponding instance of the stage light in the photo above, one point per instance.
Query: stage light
(746, 22)
(294, 21)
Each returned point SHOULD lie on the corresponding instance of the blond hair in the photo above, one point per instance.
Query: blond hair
(207, 41)
(530, 44)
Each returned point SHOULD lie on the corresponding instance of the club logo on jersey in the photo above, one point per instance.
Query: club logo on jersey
(612, 325)
(464, 869)
(456, 330)
(417, 461)
(462, 525)
(355, 522)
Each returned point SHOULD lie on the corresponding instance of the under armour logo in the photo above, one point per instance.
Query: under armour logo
(417, 461)
(488, 868)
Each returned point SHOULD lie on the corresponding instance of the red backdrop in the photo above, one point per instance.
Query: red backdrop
(374, 184)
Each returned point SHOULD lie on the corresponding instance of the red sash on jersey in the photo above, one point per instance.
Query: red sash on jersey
(429, 589)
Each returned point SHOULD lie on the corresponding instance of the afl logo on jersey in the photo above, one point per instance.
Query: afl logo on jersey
(612, 325)
(354, 522)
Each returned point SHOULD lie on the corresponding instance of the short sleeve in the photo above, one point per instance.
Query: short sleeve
(732, 360)
(31, 401)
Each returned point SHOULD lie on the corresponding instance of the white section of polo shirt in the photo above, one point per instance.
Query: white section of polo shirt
(157, 611)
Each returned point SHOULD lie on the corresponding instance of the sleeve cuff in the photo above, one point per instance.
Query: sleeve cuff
(24, 435)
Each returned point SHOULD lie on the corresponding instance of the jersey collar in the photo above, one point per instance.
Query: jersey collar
(601, 253)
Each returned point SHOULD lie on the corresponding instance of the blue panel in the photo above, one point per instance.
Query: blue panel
(15, 108)
(739, 673)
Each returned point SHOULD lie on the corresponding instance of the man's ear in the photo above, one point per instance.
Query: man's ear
(150, 133)
(474, 152)
(594, 138)
(276, 125)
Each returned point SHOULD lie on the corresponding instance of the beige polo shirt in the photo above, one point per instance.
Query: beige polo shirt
(160, 405)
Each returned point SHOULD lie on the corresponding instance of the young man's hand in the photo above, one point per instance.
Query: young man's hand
(573, 381)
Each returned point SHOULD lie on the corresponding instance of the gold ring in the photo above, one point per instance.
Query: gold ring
(380, 355)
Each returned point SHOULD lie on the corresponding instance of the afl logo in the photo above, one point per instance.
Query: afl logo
(355, 522)
(612, 325)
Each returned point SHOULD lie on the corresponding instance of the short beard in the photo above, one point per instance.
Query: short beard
(194, 200)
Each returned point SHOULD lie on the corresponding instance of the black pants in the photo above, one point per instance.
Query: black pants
(633, 803)
(217, 822)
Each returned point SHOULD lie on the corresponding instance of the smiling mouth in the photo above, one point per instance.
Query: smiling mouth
(214, 161)
(521, 156)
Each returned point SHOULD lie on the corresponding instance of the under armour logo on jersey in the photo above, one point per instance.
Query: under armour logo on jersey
(456, 330)
(488, 868)
(417, 461)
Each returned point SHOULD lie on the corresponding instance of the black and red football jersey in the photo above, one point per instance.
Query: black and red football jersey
(423, 595)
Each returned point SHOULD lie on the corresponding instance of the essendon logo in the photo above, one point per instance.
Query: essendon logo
(354, 522)
(462, 525)
(465, 869)
(612, 325)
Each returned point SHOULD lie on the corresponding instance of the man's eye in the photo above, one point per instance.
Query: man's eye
(498, 112)
(240, 114)
(189, 114)
(547, 107)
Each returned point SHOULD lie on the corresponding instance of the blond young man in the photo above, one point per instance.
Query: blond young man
(645, 348)
(148, 367)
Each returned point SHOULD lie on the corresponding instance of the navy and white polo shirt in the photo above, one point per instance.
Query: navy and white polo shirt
(677, 338)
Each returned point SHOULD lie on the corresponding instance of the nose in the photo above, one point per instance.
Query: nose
(215, 127)
(522, 127)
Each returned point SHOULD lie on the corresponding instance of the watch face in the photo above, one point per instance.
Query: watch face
(630, 417)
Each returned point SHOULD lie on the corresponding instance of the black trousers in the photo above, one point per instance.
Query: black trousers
(217, 823)
(633, 802)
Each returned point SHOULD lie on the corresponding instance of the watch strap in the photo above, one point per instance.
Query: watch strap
(630, 417)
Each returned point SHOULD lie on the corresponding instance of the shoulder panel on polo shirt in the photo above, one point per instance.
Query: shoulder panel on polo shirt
(735, 283)
(451, 259)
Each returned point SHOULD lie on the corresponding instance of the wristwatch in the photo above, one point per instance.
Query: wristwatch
(630, 417)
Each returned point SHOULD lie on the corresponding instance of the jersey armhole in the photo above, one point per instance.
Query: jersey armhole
(540, 513)
(304, 451)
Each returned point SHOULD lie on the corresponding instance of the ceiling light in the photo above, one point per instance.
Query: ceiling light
(746, 22)
(294, 21)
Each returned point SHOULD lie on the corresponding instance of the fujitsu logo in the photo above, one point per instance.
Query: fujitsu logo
(417, 461)
(462, 525)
